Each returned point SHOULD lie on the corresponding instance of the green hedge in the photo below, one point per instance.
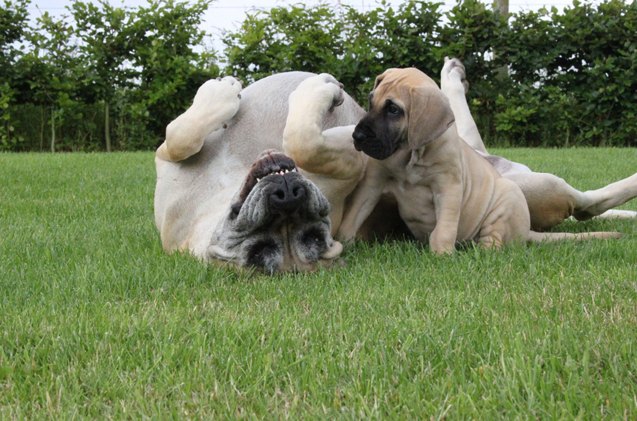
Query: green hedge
(571, 80)
(543, 78)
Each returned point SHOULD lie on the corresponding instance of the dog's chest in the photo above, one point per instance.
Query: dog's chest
(416, 206)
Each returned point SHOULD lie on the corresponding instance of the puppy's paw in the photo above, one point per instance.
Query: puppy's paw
(322, 90)
(453, 75)
(218, 97)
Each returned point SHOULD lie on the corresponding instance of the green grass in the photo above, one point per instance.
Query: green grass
(97, 322)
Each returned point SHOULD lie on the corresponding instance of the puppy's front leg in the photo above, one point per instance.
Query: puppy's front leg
(331, 152)
(362, 202)
(216, 102)
(447, 203)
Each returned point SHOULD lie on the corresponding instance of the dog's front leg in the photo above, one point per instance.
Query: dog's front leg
(448, 204)
(362, 202)
(216, 102)
(331, 152)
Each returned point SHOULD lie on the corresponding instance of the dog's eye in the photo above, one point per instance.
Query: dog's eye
(393, 109)
(313, 237)
(311, 244)
(264, 254)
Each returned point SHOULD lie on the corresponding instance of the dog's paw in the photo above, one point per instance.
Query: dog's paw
(453, 75)
(323, 90)
(219, 97)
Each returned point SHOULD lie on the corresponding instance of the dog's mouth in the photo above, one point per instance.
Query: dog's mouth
(270, 163)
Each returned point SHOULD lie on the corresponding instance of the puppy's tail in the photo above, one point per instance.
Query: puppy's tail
(539, 237)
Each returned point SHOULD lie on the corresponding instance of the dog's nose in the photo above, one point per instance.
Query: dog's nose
(287, 195)
(359, 135)
(362, 136)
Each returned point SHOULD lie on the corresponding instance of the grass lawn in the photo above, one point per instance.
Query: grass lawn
(97, 322)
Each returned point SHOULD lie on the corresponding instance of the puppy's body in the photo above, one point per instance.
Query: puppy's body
(455, 195)
(446, 191)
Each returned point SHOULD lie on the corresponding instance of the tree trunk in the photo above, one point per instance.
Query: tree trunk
(501, 7)
(52, 130)
(107, 126)
(42, 126)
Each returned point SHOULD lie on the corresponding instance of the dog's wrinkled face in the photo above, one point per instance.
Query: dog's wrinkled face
(406, 108)
(279, 221)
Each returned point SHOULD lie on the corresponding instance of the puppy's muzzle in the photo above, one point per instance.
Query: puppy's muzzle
(363, 137)
(287, 193)
(366, 141)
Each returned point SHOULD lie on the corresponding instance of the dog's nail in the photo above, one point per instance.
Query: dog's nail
(225, 126)
(239, 96)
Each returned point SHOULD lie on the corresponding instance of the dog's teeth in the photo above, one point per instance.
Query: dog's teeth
(258, 179)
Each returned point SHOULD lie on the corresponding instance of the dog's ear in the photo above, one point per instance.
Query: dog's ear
(379, 79)
(429, 115)
(382, 76)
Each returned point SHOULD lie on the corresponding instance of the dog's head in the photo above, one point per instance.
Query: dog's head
(279, 221)
(406, 109)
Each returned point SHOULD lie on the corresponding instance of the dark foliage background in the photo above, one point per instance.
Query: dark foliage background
(112, 78)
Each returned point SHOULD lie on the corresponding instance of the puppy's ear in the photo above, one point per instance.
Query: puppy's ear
(380, 78)
(429, 115)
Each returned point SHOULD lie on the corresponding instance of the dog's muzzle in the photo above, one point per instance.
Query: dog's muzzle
(366, 142)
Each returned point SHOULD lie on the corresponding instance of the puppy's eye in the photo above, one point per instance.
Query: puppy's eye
(393, 109)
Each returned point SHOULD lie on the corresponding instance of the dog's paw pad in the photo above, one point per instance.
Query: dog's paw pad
(453, 73)
(218, 91)
(324, 88)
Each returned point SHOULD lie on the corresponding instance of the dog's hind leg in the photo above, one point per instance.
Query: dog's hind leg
(551, 200)
(599, 203)
(216, 102)
(454, 85)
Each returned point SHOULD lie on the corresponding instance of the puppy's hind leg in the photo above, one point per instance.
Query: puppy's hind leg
(454, 85)
(216, 102)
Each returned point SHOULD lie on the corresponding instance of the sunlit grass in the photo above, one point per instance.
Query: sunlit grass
(96, 321)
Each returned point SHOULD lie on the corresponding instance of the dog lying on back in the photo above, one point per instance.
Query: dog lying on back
(274, 213)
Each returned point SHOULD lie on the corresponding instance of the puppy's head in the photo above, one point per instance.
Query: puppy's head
(278, 221)
(406, 109)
